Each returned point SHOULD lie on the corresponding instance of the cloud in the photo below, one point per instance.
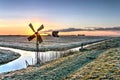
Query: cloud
(70, 29)
(109, 29)
(65, 30)
(50, 30)
(87, 29)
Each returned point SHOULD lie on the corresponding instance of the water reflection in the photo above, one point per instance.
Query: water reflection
(30, 57)
(18, 63)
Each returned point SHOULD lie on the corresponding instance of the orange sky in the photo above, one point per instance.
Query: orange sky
(20, 27)
(22, 31)
(15, 16)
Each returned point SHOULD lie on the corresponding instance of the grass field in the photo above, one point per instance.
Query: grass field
(7, 56)
(106, 66)
(99, 61)
(49, 43)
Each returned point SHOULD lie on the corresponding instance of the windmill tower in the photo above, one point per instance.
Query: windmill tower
(38, 40)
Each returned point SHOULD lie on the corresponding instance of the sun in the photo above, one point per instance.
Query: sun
(36, 25)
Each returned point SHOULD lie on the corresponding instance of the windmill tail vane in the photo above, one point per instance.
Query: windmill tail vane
(55, 33)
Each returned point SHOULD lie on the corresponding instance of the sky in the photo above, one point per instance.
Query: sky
(15, 15)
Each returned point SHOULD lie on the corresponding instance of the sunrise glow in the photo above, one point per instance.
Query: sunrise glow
(15, 17)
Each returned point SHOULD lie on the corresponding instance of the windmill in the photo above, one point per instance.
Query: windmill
(55, 33)
(38, 40)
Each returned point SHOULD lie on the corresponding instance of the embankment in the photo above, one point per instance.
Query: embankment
(7, 56)
(103, 58)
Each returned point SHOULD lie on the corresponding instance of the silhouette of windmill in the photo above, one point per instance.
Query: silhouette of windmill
(38, 40)
(55, 33)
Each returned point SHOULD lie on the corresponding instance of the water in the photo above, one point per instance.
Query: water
(30, 57)
(18, 63)
(19, 42)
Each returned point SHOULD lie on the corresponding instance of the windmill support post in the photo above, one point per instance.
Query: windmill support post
(37, 50)
(38, 40)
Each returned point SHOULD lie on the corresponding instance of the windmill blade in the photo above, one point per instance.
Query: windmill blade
(31, 37)
(39, 39)
(55, 33)
(31, 27)
(40, 28)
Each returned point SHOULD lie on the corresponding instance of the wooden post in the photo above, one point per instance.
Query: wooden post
(37, 50)
(27, 64)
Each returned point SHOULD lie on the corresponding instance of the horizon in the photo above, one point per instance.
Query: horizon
(66, 16)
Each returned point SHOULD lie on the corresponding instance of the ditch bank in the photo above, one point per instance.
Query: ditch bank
(7, 56)
(61, 68)
(29, 56)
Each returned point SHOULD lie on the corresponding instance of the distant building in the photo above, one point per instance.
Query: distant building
(81, 35)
